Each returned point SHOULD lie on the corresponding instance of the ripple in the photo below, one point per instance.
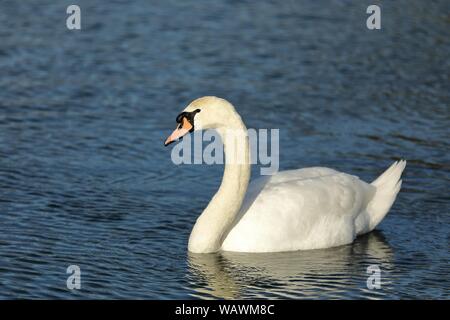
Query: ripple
(85, 179)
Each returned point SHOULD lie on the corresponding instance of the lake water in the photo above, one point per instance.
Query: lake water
(85, 178)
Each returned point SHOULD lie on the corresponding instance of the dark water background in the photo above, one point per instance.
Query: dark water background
(85, 179)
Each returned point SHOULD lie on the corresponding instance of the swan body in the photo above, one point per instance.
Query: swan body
(308, 208)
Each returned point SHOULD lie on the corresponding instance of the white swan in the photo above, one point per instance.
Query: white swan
(308, 208)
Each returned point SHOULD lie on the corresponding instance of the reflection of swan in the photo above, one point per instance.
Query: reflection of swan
(311, 274)
(298, 209)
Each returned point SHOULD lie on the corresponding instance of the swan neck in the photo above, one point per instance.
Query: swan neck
(216, 220)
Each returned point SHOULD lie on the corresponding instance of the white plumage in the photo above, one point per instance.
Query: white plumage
(311, 208)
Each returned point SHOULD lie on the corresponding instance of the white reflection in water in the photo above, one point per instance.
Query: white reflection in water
(301, 274)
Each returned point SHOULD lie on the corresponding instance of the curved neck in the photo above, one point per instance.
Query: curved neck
(216, 220)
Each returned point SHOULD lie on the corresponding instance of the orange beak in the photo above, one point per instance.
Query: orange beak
(180, 131)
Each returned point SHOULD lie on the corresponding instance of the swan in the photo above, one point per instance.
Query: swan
(308, 208)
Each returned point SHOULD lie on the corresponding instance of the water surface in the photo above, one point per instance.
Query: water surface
(85, 179)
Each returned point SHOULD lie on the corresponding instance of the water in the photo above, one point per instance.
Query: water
(85, 179)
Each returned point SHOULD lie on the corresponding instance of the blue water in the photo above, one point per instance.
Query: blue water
(85, 179)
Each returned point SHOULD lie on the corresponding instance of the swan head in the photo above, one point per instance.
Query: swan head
(203, 113)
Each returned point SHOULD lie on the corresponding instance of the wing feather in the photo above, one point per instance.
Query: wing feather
(297, 208)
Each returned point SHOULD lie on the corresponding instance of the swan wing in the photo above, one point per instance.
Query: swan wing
(308, 208)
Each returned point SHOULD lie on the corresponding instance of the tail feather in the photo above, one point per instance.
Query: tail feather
(387, 187)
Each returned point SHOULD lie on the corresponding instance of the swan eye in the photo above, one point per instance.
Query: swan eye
(180, 117)
(189, 116)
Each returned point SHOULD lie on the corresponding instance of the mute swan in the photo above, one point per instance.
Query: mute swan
(301, 209)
